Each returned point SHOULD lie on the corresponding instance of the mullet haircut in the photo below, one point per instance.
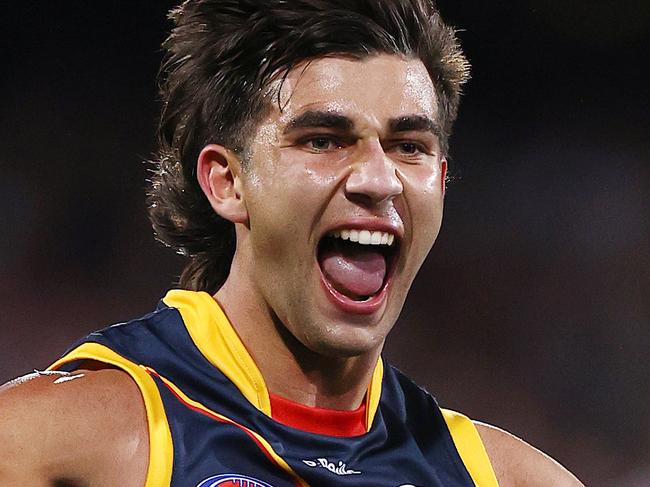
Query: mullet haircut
(221, 58)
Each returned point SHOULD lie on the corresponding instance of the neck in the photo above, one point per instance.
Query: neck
(290, 369)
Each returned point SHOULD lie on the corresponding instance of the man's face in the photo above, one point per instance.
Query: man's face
(353, 153)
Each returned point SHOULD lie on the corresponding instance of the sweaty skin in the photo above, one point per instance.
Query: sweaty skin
(90, 431)
(320, 177)
(303, 177)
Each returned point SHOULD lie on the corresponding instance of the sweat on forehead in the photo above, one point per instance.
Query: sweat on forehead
(323, 82)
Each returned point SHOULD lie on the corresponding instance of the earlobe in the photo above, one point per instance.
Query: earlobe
(218, 171)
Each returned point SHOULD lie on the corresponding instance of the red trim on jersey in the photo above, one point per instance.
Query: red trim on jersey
(212, 415)
(330, 422)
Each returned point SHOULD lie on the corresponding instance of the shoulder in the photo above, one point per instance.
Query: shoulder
(86, 425)
(518, 464)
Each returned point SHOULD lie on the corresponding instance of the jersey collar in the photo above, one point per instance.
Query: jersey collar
(219, 343)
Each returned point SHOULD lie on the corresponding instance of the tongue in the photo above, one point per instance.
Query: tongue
(355, 270)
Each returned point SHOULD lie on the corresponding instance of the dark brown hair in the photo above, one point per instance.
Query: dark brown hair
(222, 55)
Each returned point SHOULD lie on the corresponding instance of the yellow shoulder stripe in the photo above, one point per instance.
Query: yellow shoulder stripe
(374, 393)
(259, 439)
(161, 450)
(471, 449)
(218, 341)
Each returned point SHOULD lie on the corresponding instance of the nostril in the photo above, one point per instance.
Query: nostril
(361, 199)
(373, 190)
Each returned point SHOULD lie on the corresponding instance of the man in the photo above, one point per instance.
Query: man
(302, 169)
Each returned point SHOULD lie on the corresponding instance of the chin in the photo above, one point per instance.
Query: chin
(344, 340)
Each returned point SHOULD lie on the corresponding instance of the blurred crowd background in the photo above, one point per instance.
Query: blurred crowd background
(532, 310)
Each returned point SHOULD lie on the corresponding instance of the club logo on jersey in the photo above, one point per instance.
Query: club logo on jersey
(232, 480)
(340, 469)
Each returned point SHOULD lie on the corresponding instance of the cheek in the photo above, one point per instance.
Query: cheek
(424, 193)
(432, 178)
(281, 202)
(425, 186)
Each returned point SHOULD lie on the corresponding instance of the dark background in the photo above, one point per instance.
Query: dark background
(532, 311)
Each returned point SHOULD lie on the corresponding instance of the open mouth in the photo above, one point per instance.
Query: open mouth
(356, 264)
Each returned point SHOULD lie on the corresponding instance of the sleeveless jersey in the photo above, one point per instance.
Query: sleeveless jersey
(210, 423)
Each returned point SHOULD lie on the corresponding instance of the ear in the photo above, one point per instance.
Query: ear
(443, 176)
(218, 171)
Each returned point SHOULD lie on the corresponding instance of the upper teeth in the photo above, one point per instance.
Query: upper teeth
(364, 237)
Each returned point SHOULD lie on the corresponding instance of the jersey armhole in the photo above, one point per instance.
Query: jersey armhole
(161, 451)
(470, 448)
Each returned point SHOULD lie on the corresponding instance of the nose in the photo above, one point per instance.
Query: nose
(373, 179)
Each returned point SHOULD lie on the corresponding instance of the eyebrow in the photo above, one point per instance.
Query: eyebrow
(414, 123)
(322, 119)
(315, 118)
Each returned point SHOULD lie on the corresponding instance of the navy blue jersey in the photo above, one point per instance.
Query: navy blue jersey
(210, 421)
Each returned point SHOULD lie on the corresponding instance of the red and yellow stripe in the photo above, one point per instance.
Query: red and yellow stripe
(264, 445)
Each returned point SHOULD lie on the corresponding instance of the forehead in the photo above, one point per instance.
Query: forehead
(369, 90)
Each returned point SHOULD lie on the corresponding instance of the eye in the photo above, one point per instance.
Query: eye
(321, 144)
(409, 148)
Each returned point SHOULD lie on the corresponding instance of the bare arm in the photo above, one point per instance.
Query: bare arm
(63, 431)
(517, 464)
